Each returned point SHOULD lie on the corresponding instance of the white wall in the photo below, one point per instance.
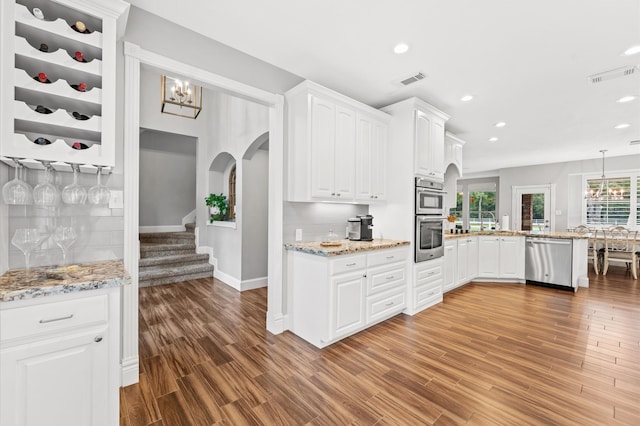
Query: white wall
(567, 178)
(255, 197)
(167, 177)
(317, 219)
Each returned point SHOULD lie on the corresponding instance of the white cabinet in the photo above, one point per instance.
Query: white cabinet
(453, 151)
(21, 93)
(450, 264)
(501, 257)
(336, 147)
(59, 360)
(334, 297)
(467, 260)
(371, 164)
(427, 286)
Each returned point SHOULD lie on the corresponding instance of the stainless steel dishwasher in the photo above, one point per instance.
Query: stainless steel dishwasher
(548, 261)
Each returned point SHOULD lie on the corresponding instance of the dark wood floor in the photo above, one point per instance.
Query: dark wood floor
(491, 354)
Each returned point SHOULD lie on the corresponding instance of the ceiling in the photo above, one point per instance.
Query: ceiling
(525, 63)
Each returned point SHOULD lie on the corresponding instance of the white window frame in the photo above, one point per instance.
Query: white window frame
(633, 175)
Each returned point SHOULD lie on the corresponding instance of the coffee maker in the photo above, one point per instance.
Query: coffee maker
(361, 228)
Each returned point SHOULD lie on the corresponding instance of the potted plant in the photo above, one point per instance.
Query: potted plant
(218, 207)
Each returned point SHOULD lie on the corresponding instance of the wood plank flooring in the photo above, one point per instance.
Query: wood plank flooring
(491, 354)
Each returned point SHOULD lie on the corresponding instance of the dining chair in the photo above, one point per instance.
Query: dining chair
(620, 246)
(596, 248)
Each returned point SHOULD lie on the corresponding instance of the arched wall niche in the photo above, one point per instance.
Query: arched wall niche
(219, 173)
(256, 145)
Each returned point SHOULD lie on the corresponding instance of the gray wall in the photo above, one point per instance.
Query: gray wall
(255, 217)
(167, 177)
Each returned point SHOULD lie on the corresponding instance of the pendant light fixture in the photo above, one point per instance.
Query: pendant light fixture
(603, 193)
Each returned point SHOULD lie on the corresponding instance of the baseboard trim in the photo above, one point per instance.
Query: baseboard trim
(277, 324)
(227, 279)
(129, 372)
(166, 228)
(253, 283)
(189, 218)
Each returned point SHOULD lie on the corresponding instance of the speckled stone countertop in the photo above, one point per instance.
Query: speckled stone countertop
(561, 235)
(347, 247)
(19, 284)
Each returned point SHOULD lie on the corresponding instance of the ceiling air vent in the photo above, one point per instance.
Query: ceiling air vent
(616, 73)
(407, 81)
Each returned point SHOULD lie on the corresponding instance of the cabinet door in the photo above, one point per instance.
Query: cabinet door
(462, 261)
(436, 149)
(450, 264)
(323, 134)
(488, 257)
(379, 161)
(348, 309)
(512, 257)
(62, 381)
(364, 148)
(423, 133)
(472, 258)
(344, 153)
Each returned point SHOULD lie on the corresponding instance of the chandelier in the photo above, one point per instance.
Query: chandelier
(604, 193)
(180, 98)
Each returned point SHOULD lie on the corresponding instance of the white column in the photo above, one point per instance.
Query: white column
(129, 347)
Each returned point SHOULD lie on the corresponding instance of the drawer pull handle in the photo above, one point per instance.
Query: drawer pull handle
(97, 339)
(351, 264)
(56, 319)
(390, 304)
(390, 277)
(390, 257)
(431, 294)
(431, 273)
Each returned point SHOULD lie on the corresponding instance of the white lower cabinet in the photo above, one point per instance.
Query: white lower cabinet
(427, 286)
(450, 264)
(501, 257)
(461, 261)
(334, 297)
(59, 360)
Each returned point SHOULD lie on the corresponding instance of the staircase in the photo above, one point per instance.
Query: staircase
(170, 257)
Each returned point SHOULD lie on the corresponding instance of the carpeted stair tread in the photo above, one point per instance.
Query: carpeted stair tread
(175, 259)
(175, 279)
(153, 273)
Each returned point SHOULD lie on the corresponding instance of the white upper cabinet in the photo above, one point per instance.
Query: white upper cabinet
(427, 134)
(50, 47)
(336, 147)
(453, 151)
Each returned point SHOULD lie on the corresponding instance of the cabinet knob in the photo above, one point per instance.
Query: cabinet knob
(364, 275)
(338, 194)
(333, 194)
(97, 339)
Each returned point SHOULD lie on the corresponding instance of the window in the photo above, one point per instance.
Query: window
(613, 209)
(232, 193)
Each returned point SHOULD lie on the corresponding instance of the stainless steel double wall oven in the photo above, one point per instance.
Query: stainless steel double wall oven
(430, 217)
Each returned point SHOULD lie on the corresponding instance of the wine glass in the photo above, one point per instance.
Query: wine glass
(99, 193)
(64, 237)
(46, 194)
(74, 193)
(17, 191)
(26, 239)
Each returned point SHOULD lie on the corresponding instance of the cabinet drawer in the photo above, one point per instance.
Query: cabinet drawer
(428, 274)
(348, 263)
(385, 305)
(428, 295)
(52, 317)
(384, 257)
(385, 278)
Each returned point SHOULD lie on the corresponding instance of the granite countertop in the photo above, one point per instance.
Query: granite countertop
(561, 235)
(346, 247)
(19, 284)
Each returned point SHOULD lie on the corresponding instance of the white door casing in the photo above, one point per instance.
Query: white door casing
(549, 191)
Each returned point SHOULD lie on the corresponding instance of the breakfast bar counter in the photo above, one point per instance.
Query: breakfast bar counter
(341, 247)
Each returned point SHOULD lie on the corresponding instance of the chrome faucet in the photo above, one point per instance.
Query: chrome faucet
(493, 216)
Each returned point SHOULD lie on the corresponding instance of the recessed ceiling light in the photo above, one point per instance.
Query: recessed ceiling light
(494, 139)
(466, 98)
(400, 48)
(626, 99)
(632, 50)
(622, 126)
(501, 124)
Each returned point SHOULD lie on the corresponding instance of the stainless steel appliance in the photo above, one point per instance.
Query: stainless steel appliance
(548, 261)
(429, 197)
(361, 228)
(429, 241)
(429, 237)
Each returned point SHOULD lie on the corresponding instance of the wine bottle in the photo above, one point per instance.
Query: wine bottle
(42, 78)
(37, 12)
(81, 87)
(80, 27)
(44, 48)
(43, 110)
(78, 56)
(79, 145)
(79, 116)
(42, 141)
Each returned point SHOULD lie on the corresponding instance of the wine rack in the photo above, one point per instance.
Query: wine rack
(50, 46)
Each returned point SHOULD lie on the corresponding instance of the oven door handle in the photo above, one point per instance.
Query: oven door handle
(424, 218)
(430, 191)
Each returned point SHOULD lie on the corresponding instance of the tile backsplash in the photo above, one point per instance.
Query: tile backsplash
(317, 219)
(99, 229)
